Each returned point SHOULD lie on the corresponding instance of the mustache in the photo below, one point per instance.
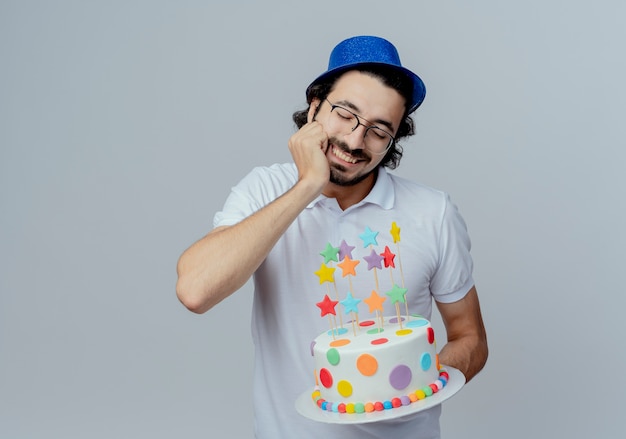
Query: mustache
(356, 153)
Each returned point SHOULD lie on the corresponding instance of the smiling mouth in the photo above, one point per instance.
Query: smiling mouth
(337, 152)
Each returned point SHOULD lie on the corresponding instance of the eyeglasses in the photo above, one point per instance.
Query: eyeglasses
(375, 139)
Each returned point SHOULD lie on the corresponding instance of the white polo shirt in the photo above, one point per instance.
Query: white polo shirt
(434, 251)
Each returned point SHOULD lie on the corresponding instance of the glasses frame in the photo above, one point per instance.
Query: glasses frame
(367, 127)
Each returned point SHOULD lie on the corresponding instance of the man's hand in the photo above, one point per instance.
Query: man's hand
(308, 148)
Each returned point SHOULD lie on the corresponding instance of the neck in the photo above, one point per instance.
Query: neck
(349, 195)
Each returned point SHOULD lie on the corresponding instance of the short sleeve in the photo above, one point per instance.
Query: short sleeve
(257, 189)
(453, 277)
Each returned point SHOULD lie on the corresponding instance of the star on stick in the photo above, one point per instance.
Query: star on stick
(374, 260)
(395, 232)
(348, 266)
(375, 302)
(388, 257)
(345, 250)
(326, 274)
(327, 306)
(330, 253)
(368, 237)
(350, 304)
(397, 294)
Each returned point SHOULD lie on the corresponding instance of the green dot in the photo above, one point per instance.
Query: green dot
(376, 331)
(333, 356)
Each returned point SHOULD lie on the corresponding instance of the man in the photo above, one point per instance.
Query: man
(278, 219)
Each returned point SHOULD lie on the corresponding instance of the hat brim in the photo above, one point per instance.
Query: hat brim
(419, 89)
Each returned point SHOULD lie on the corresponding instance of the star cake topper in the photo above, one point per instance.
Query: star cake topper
(368, 237)
(388, 258)
(350, 303)
(326, 274)
(374, 260)
(375, 302)
(327, 306)
(348, 266)
(345, 250)
(330, 253)
(397, 294)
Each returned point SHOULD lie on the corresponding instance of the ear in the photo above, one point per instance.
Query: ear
(315, 103)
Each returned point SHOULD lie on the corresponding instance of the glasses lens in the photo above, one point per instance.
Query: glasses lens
(345, 117)
(377, 140)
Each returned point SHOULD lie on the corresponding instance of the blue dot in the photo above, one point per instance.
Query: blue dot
(426, 361)
(417, 323)
(338, 331)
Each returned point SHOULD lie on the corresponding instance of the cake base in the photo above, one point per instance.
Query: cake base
(309, 409)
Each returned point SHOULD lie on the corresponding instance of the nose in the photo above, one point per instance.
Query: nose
(356, 138)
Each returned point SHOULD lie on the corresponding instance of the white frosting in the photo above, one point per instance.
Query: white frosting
(405, 350)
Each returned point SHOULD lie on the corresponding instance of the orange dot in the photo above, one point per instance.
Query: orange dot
(367, 364)
(369, 407)
(340, 342)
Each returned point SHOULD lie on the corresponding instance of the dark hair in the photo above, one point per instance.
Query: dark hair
(391, 78)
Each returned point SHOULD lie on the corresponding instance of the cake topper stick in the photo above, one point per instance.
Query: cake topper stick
(348, 266)
(327, 307)
(395, 233)
(374, 262)
(388, 258)
(350, 305)
(333, 322)
(337, 297)
(355, 315)
(397, 294)
(389, 263)
(375, 303)
(326, 274)
(330, 254)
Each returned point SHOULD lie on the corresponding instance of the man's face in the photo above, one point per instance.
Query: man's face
(375, 103)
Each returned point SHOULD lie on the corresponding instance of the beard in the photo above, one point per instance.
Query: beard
(336, 176)
(336, 171)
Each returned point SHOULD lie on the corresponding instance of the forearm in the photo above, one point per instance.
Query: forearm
(221, 262)
(467, 348)
(468, 354)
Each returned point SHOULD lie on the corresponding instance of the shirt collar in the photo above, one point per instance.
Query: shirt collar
(382, 193)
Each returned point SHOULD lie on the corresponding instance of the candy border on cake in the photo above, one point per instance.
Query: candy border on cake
(368, 407)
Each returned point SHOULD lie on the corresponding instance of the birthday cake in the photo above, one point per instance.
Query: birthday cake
(377, 363)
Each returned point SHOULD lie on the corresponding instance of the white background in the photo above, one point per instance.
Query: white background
(123, 124)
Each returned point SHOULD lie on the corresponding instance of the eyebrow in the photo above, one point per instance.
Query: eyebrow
(356, 109)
